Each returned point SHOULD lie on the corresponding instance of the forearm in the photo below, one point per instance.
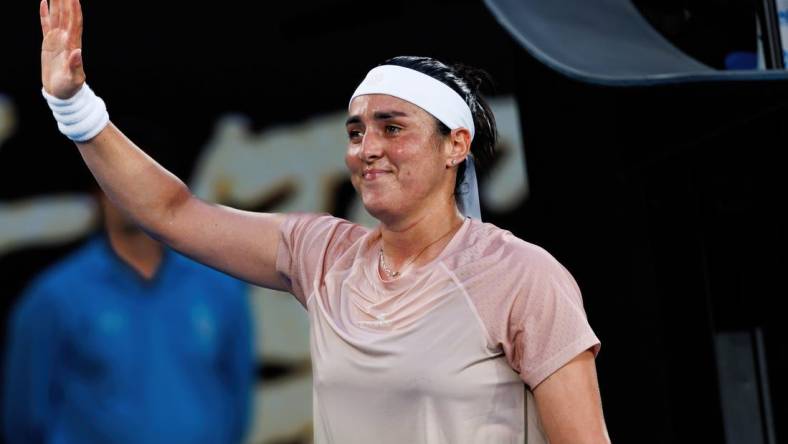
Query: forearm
(134, 181)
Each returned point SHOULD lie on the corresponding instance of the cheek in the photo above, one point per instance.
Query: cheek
(404, 152)
(351, 158)
(354, 166)
(415, 158)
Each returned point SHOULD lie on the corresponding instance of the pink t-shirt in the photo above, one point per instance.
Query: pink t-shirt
(440, 354)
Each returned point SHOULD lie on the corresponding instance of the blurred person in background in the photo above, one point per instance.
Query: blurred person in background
(127, 341)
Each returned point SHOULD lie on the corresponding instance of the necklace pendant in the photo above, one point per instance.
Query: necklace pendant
(386, 268)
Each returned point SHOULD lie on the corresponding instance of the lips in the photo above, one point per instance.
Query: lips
(373, 173)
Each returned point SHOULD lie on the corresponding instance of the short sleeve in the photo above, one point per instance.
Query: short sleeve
(548, 325)
(529, 304)
(308, 246)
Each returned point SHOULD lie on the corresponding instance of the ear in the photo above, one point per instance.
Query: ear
(459, 146)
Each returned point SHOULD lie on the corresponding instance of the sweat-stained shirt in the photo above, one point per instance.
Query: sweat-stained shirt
(440, 354)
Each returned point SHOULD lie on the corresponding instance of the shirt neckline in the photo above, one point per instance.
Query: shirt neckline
(124, 268)
(371, 258)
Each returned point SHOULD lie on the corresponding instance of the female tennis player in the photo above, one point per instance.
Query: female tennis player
(431, 328)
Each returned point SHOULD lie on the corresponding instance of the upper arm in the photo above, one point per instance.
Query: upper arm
(569, 403)
(240, 243)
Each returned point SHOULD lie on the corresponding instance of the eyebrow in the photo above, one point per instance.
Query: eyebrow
(378, 115)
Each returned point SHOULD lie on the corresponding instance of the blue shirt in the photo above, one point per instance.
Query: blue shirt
(97, 354)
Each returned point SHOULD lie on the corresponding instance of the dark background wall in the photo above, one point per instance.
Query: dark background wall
(663, 202)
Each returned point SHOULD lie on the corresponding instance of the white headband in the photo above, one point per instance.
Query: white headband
(427, 93)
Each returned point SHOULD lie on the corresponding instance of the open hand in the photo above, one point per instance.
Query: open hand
(62, 73)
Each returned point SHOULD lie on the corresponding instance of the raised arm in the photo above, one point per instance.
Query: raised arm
(240, 243)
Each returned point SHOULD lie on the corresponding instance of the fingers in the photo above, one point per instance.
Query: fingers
(65, 12)
(54, 13)
(43, 12)
(75, 23)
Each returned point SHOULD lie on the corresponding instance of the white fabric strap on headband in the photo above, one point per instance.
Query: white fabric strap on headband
(427, 93)
(469, 192)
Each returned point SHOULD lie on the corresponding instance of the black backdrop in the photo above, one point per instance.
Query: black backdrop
(663, 202)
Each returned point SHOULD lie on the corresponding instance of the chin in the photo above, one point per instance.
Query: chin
(377, 208)
(375, 211)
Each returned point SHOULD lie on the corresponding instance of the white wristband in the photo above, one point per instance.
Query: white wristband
(80, 117)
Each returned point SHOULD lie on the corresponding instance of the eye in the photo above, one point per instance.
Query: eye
(354, 135)
(393, 130)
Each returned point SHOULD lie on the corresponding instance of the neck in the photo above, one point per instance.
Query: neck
(136, 249)
(424, 234)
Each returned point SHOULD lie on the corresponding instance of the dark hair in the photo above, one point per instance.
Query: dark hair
(467, 82)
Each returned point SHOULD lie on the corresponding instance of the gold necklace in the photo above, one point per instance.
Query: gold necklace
(395, 274)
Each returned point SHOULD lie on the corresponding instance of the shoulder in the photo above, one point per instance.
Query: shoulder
(51, 293)
(503, 274)
(497, 248)
(322, 224)
(69, 272)
(316, 235)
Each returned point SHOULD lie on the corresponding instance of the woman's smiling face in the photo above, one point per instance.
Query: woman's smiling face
(396, 156)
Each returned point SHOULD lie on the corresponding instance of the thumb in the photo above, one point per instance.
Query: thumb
(75, 59)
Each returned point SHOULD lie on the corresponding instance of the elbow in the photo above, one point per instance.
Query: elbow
(165, 227)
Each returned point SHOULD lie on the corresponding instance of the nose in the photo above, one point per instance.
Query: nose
(371, 147)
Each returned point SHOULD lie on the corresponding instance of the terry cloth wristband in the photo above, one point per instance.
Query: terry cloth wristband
(80, 117)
